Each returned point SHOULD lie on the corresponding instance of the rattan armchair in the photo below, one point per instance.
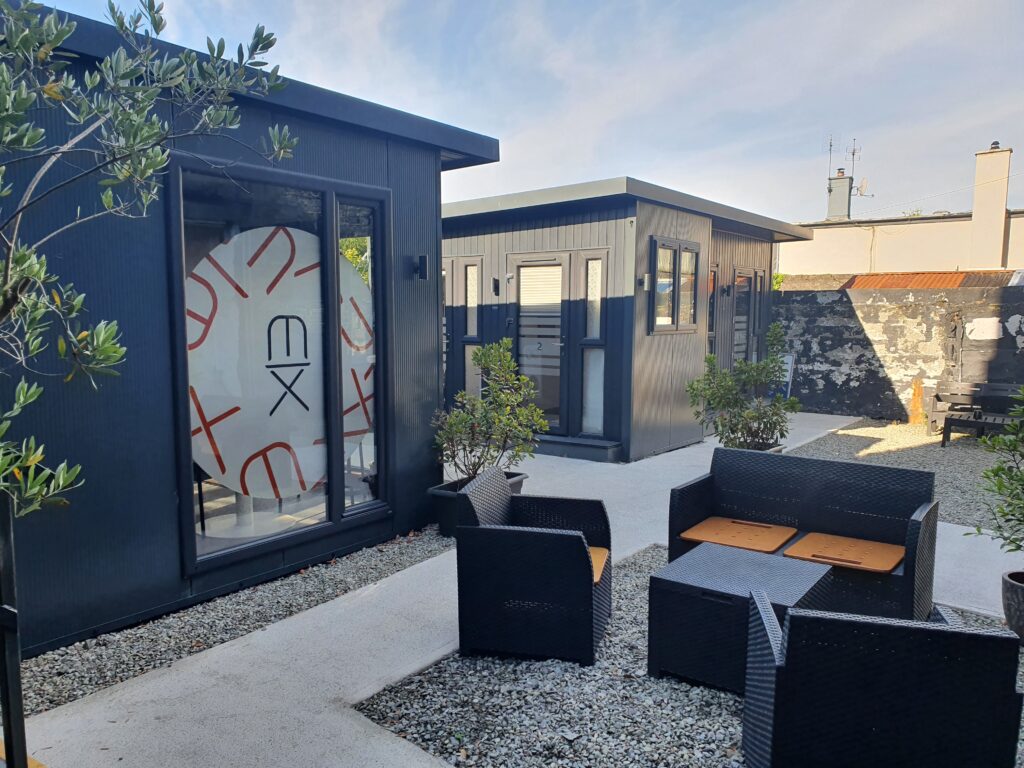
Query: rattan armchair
(534, 573)
(849, 691)
(883, 504)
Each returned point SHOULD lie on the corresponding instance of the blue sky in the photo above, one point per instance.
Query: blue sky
(733, 101)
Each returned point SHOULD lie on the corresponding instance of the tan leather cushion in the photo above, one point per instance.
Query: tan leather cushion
(743, 534)
(598, 556)
(845, 552)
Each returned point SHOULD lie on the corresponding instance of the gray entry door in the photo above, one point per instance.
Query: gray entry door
(538, 295)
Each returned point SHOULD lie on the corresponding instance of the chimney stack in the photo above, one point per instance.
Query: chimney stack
(840, 188)
(988, 215)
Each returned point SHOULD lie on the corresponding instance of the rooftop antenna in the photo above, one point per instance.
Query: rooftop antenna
(831, 145)
(852, 153)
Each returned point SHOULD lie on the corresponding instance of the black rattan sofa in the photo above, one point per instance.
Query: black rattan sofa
(535, 573)
(883, 504)
(848, 691)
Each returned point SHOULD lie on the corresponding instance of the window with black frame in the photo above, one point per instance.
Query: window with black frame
(358, 340)
(254, 335)
(674, 266)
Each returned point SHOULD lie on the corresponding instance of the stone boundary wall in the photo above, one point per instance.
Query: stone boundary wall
(879, 352)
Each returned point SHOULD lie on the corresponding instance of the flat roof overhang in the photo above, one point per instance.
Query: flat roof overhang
(459, 148)
(626, 188)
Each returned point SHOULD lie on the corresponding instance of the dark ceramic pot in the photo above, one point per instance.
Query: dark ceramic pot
(452, 509)
(1013, 601)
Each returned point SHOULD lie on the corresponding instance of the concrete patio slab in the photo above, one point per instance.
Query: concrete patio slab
(283, 695)
(968, 570)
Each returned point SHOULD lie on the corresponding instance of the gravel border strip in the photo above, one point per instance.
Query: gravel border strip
(65, 674)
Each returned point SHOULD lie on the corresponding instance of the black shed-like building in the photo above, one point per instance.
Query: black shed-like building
(284, 347)
(614, 291)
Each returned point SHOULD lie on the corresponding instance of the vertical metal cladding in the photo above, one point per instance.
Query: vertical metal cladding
(730, 252)
(115, 555)
(662, 418)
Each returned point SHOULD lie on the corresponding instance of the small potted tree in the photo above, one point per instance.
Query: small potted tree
(744, 406)
(498, 428)
(1006, 481)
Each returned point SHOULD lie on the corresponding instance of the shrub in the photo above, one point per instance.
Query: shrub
(1006, 480)
(744, 406)
(496, 429)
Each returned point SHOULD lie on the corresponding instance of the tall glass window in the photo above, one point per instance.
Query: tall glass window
(472, 298)
(358, 340)
(474, 376)
(254, 325)
(663, 287)
(593, 390)
(687, 288)
(594, 291)
(712, 298)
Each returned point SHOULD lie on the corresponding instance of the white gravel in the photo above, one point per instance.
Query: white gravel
(957, 467)
(69, 673)
(502, 713)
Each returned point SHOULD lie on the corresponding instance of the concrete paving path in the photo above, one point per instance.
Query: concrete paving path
(283, 695)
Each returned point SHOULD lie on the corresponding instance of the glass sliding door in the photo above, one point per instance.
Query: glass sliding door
(254, 328)
(358, 343)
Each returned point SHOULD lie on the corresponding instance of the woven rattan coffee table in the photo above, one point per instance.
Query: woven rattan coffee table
(699, 609)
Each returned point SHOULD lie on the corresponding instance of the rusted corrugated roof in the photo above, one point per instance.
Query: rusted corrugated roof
(919, 280)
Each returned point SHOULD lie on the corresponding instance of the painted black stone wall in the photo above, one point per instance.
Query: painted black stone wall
(880, 352)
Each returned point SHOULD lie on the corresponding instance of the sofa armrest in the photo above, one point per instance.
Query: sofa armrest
(764, 662)
(690, 503)
(587, 516)
(505, 562)
(919, 561)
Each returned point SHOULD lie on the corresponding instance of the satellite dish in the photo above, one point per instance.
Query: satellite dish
(862, 188)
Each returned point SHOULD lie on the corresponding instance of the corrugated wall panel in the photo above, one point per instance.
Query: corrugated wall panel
(115, 555)
(413, 175)
(663, 363)
(731, 251)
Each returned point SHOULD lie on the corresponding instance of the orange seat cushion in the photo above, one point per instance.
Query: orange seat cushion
(743, 534)
(31, 763)
(599, 557)
(846, 552)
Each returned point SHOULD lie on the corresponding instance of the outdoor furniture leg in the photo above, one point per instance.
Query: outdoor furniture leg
(15, 748)
(946, 429)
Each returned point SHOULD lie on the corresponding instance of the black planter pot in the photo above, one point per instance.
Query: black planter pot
(1013, 601)
(452, 509)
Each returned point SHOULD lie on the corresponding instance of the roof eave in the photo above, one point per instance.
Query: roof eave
(459, 148)
(625, 187)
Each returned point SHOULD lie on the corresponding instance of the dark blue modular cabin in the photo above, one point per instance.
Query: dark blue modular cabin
(614, 291)
(283, 333)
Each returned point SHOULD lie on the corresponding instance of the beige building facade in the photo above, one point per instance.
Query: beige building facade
(990, 237)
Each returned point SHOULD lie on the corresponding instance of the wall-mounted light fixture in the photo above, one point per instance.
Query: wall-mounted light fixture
(420, 266)
(727, 290)
(496, 286)
(644, 282)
